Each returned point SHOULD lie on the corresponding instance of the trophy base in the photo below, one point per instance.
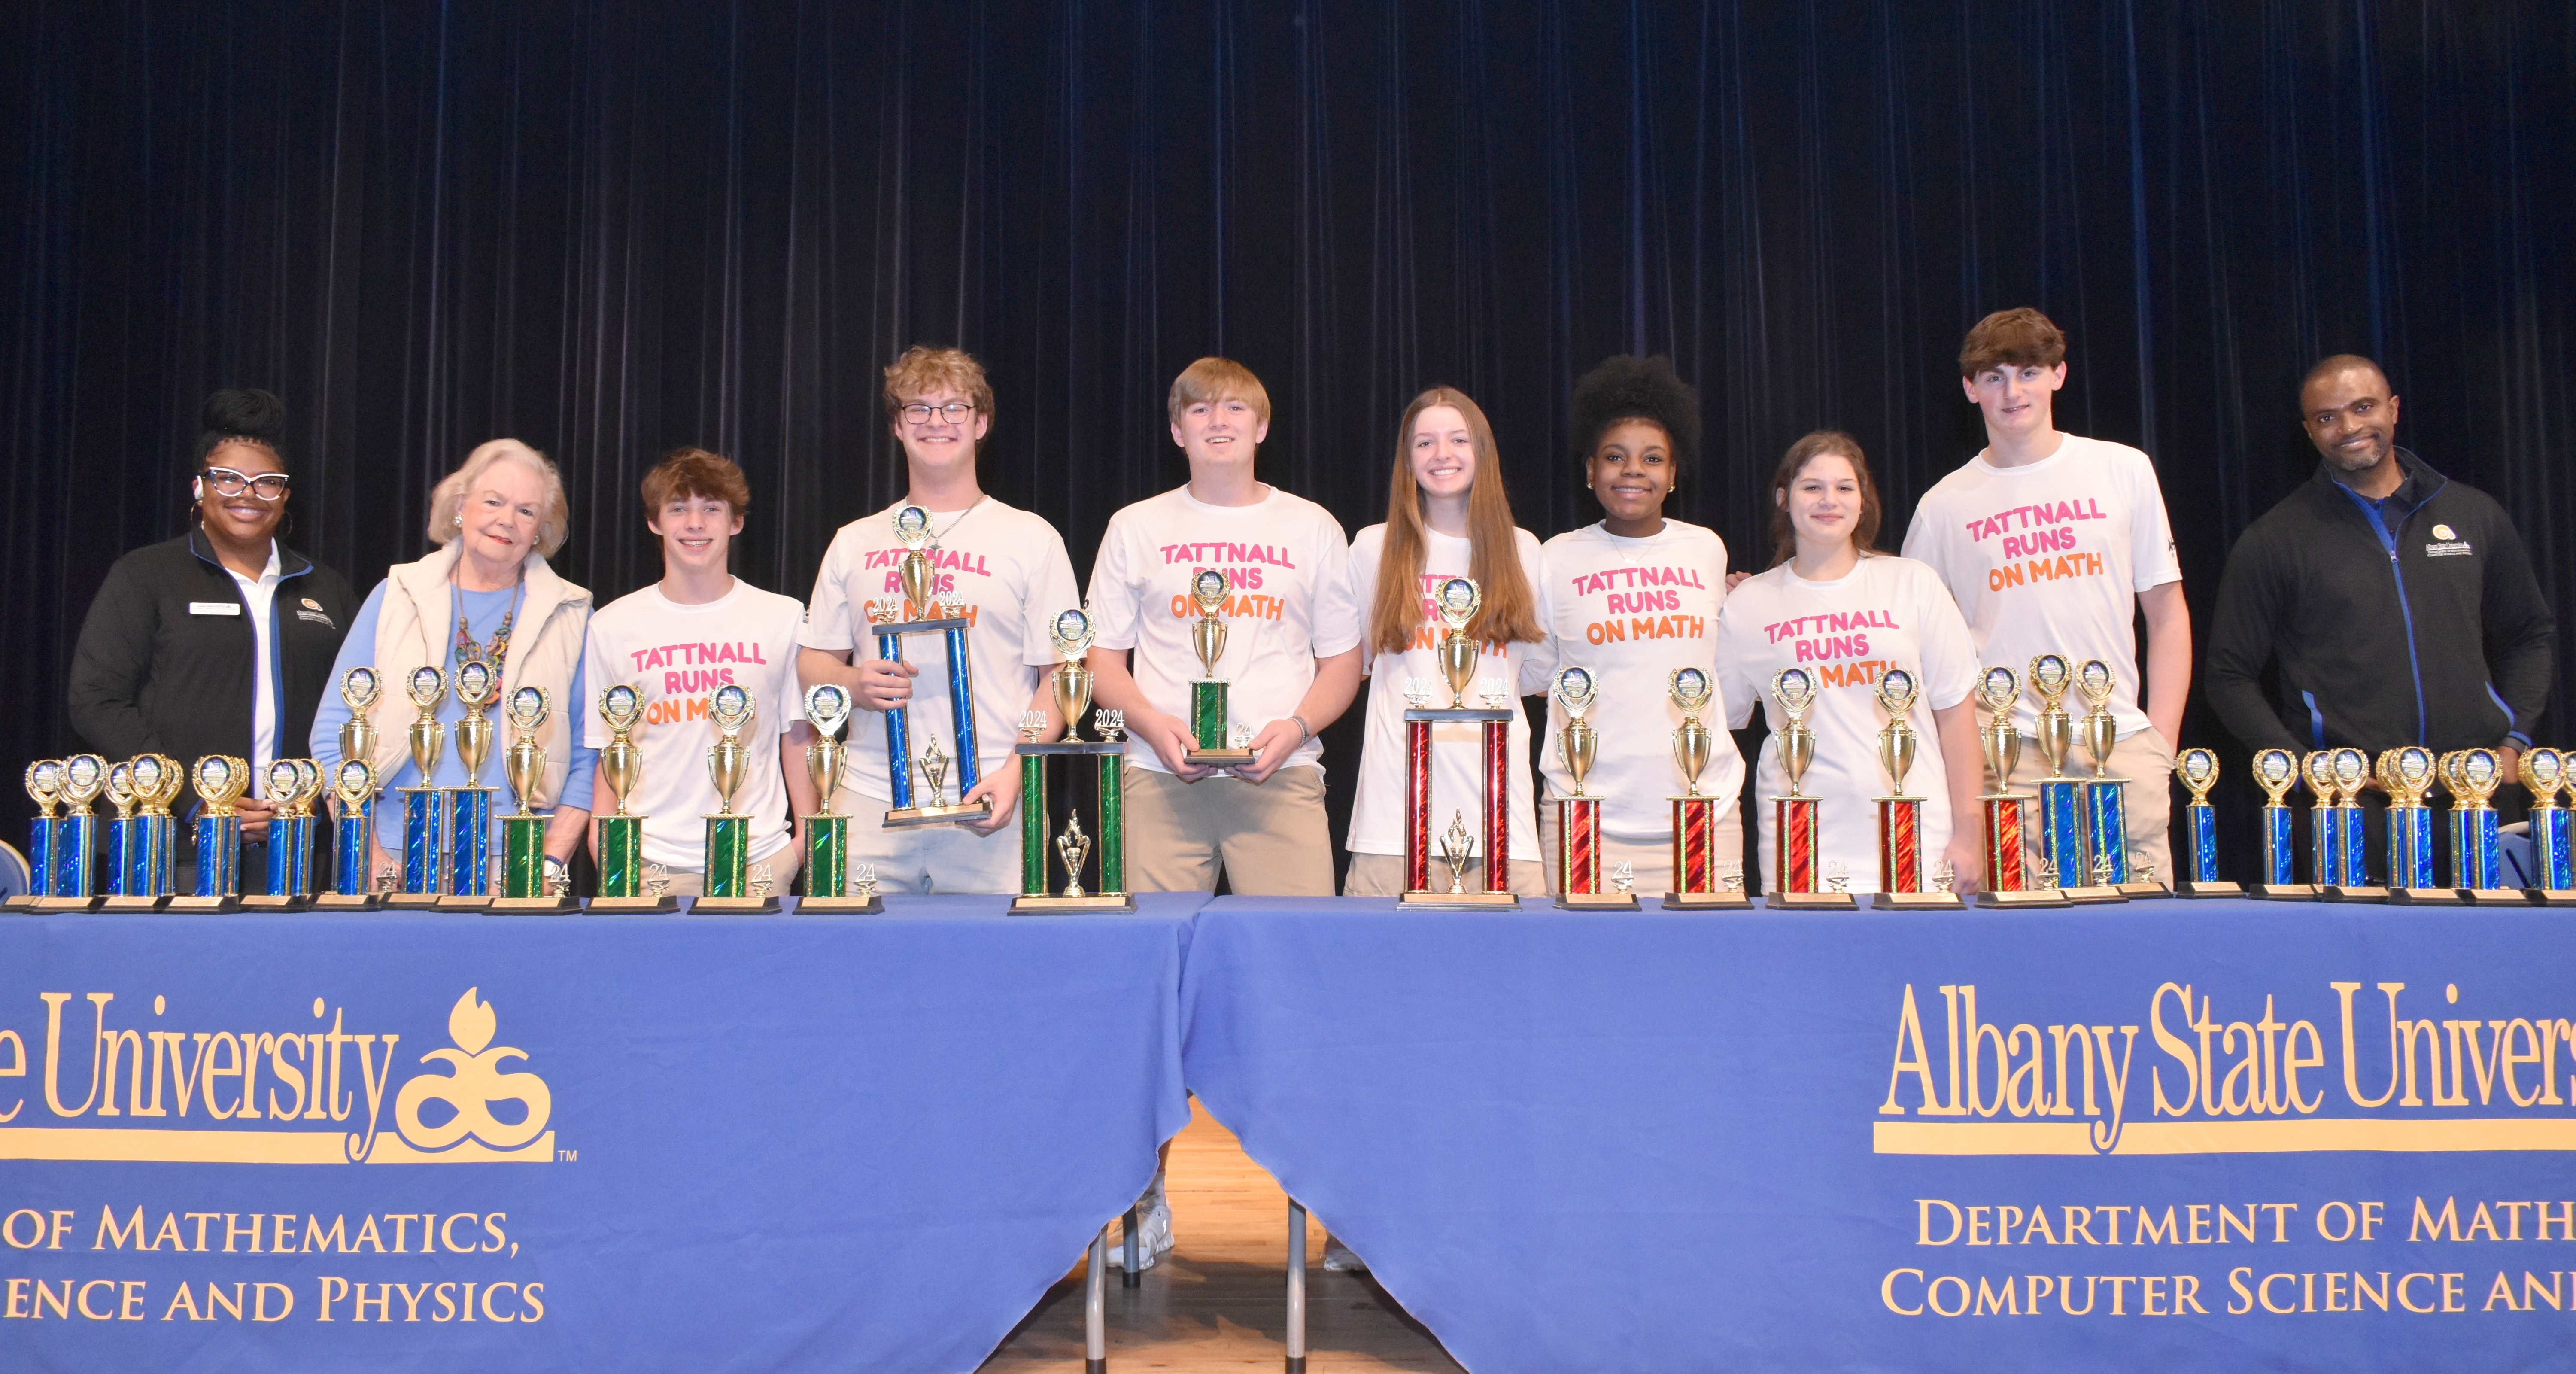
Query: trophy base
(937, 815)
(409, 901)
(2143, 890)
(1596, 901)
(1219, 758)
(284, 902)
(1917, 901)
(840, 906)
(1811, 901)
(2356, 894)
(2209, 889)
(135, 904)
(1041, 904)
(733, 906)
(1458, 901)
(633, 906)
(344, 901)
(2494, 896)
(1707, 901)
(2025, 897)
(2284, 892)
(532, 906)
(22, 903)
(55, 906)
(203, 906)
(2550, 896)
(2093, 894)
(2424, 896)
(457, 902)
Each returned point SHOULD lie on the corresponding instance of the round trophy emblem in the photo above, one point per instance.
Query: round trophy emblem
(147, 774)
(474, 682)
(426, 685)
(1796, 689)
(2351, 767)
(731, 706)
(1575, 690)
(2415, 765)
(2050, 675)
(282, 778)
(359, 689)
(84, 774)
(620, 704)
(1457, 599)
(1998, 689)
(827, 707)
(1690, 688)
(214, 774)
(528, 707)
(2544, 769)
(912, 526)
(1072, 632)
(357, 780)
(1208, 587)
(2199, 767)
(1896, 691)
(2479, 767)
(2275, 766)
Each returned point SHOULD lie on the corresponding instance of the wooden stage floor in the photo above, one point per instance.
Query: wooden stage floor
(1216, 1301)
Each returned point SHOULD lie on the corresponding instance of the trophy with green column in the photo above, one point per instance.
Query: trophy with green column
(529, 881)
(622, 884)
(1072, 848)
(728, 854)
(1220, 742)
(827, 831)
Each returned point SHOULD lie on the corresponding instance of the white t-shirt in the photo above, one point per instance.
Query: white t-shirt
(1884, 613)
(1291, 603)
(1457, 748)
(1632, 611)
(2050, 557)
(260, 593)
(676, 656)
(1006, 568)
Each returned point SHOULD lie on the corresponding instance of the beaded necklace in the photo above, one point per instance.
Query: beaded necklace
(497, 653)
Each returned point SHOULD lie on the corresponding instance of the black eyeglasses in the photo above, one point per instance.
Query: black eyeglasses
(268, 486)
(922, 412)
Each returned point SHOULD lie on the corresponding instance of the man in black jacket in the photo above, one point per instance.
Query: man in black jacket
(2400, 604)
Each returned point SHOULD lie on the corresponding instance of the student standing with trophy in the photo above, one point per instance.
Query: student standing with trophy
(1000, 571)
(677, 641)
(1632, 598)
(1448, 516)
(2056, 544)
(487, 597)
(219, 642)
(1835, 609)
(1235, 600)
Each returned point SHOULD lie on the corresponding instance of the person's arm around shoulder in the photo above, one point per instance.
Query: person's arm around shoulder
(112, 661)
(2251, 598)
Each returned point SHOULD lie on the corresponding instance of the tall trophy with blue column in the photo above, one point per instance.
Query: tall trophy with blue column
(917, 570)
(731, 888)
(119, 791)
(45, 789)
(2553, 866)
(2061, 796)
(2472, 777)
(2276, 771)
(2198, 769)
(2408, 774)
(827, 831)
(2325, 820)
(469, 808)
(294, 784)
(2106, 798)
(2350, 771)
(353, 834)
(152, 835)
(529, 880)
(220, 780)
(76, 883)
(425, 814)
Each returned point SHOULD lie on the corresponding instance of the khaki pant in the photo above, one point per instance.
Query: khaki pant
(1652, 859)
(928, 858)
(2147, 762)
(1382, 875)
(782, 866)
(1270, 838)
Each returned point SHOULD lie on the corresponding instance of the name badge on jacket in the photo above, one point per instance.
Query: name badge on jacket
(214, 608)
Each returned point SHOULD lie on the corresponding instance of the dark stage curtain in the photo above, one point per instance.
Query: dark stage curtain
(612, 229)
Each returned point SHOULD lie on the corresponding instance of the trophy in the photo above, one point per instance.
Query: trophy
(2007, 864)
(353, 835)
(2106, 798)
(76, 842)
(1456, 600)
(427, 821)
(45, 788)
(469, 808)
(1108, 754)
(2325, 820)
(917, 571)
(2198, 769)
(1795, 829)
(293, 784)
(528, 878)
(2061, 806)
(827, 832)
(2349, 770)
(728, 889)
(2472, 776)
(624, 886)
(220, 780)
(2544, 771)
(1900, 817)
(2276, 772)
(1578, 818)
(151, 834)
(2407, 774)
(1209, 588)
(119, 791)
(359, 688)
(1697, 875)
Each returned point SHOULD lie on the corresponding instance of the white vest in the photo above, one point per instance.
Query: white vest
(415, 627)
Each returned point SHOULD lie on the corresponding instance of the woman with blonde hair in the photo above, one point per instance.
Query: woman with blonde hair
(1447, 516)
(486, 593)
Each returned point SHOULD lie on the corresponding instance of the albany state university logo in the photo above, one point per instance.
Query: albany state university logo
(318, 1094)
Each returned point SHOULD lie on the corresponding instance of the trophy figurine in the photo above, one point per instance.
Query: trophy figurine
(2198, 769)
(1796, 831)
(1073, 849)
(2061, 795)
(1072, 634)
(2408, 774)
(220, 781)
(1697, 873)
(624, 886)
(2349, 770)
(2472, 776)
(427, 822)
(469, 808)
(1900, 816)
(294, 784)
(1578, 817)
(353, 837)
(45, 788)
(1456, 602)
(728, 847)
(917, 571)
(2106, 798)
(1209, 588)
(527, 878)
(827, 832)
(2276, 772)
(2544, 772)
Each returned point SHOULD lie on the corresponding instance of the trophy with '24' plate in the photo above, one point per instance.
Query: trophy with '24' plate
(1456, 601)
(1900, 817)
(2198, 769)
(1697, 881)
(1209, 722)
(622, 884)
(827, 832)
(728, 851)
(917, 571)
(1578, 817)
(1073, 848)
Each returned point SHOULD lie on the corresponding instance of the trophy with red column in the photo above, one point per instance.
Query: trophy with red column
(1900, 817)
(1578, 818)
(1456, 600)
(2007, 867)
(1795, 828)
(1698, 882)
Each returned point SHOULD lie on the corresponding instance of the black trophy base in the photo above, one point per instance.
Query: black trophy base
(2550, 896)
(1219, 758)
(1458, 901)
(289, 901)
(2494, 896)
(135, 905)
(1707, 901)
(1596, 901)
(2284, 892)
(2355, 893)
(2424, 896)
(2204, 891)
(871, 905)
(632, 906)
(1042, 904)
(733, 906)
(2028, 897)
(2094, 894)
(1811, 901)
(2142, 890)
(344, 901)
(904, 816)
(1917, 901)
(203, 906)
(532, 906)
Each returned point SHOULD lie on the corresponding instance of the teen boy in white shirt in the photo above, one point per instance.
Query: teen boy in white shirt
(676, 642)
(1291, 661)
(2055, 543)
(1004, 570)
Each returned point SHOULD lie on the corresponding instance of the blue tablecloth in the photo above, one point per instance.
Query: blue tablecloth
(1672, 1142)
(863, 1143)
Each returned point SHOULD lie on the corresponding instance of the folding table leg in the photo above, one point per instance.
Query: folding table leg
(1133, 1278)
(1095, 1298)
(1296, 1287)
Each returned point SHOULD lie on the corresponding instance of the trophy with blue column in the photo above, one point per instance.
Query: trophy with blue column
(2061, 797)
(119, 791)
(76, 840)
(45, 788)
(425, 807)
(827, 831)
(2350, 771)
(528, 881)
(2106, 798)
(2408, 774)
(2198, 769)
(220, 780)
(2472, 776)
(294, 784)
(152, 843)
(2553, 866)
(353, 836)
(2325, 820)
(917, 571)
(469, 808)
(2276, 771)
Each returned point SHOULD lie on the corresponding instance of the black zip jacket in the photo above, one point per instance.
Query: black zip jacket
(153, 675)
(2436, 636)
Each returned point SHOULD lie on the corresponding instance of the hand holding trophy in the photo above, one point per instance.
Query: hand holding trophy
(917, 570)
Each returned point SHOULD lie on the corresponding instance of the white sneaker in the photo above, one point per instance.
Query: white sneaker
(1339, 1258)
(1153, 1230)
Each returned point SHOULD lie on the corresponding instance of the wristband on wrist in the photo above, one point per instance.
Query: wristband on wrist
(1305, 732)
